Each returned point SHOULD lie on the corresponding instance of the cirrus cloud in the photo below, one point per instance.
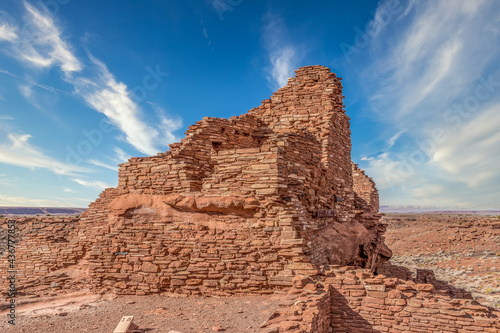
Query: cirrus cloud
(426, 66)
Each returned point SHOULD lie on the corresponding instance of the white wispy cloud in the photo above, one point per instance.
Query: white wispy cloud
(403, 180)
(31, 82)
(472, 153)
(19, 151)
(428, 59)
(426, 62)
(25, 90)
(112, 98)
(166, 125)
(387, 171)
(39, 43)
(7, 33)
(283, 54)
(104, 165)
(282, 64)
(8, 181)
(42, 45)
(41, 101)
(206, 36)
(392, 140)
(121, 156)
(96, 184)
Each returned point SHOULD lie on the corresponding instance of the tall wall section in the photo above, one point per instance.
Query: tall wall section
(275, 183)
(366, 195)
(312, 103)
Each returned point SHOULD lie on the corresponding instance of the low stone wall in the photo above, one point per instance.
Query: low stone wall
(355, 300)
(140, 253)
(198, 260)
(423, 276)
(43, 246)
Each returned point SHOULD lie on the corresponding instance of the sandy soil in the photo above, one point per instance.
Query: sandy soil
(90, 313)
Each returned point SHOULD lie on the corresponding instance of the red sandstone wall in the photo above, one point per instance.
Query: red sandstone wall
(312, 102)
(291, 156)
(183, 168)
(187, 257)
(251, 172)
(367, 196)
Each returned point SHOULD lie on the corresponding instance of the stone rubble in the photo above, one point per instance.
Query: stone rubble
(349, 299)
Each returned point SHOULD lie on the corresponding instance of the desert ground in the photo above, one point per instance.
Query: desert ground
(461, 249)
(84, 312)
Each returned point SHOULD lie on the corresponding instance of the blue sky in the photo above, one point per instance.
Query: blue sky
(84, 85)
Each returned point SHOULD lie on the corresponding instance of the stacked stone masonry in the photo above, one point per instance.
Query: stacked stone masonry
(240, 204)
(346, 299)
(45, 247)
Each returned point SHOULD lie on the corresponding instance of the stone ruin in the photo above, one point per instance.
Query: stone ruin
(264, 202)
(242, 204)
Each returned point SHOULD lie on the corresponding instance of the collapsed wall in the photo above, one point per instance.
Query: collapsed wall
(349, 299)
